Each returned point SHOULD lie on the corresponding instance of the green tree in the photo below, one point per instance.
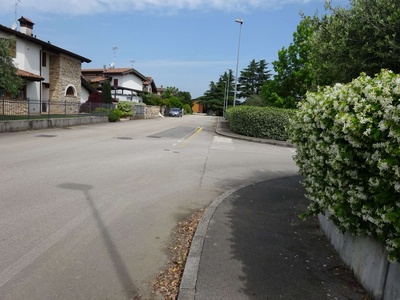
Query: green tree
(254, 100)
(106, 92)
(9, 80)
(185, 98)
(253, 78)
(214, 98)
(293, 73)
(362, 38)
(170, 91)
(152, 99)
(174, 102)
(174, 92)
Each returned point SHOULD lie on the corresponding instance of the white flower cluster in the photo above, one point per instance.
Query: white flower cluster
(348, 149)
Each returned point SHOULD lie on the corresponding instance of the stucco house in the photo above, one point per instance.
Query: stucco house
(126, 83)
(51, 74)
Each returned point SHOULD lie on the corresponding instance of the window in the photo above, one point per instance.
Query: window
(44, 59)
(70, 91)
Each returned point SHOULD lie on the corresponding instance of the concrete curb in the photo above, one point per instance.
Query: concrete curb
(187, 289)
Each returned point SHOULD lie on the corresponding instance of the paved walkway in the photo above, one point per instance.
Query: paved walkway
(250, 244)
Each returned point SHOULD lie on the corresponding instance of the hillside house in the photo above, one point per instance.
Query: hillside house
(52, 74)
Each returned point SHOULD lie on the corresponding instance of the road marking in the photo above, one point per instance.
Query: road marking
(182, 142)
(222, 143)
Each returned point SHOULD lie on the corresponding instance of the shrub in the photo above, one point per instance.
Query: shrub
(114, 115)
(261, 122)
(95, 97)
(101, 111)
(347, 139)
(126, 108)
(187, 109)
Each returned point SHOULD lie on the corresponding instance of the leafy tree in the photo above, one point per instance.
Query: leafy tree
(152, 99)
(185, 98)
(362, 38)
(253, 78)
(9, 80)
(254, 100)
(106, 91)
(173, 92)
(169, 92)
(174, 102)
(294, 75)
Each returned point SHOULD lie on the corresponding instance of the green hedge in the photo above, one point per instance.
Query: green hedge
(260, 122)
(348, 150)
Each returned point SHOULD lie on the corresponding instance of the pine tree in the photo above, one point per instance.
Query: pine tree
(253, 78)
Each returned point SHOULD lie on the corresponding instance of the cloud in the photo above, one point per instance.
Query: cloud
(87, 7)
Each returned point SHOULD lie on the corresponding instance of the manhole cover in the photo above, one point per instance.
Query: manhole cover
(46, 135)
(124, 138)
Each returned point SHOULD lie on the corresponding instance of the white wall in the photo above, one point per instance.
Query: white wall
(129, 81)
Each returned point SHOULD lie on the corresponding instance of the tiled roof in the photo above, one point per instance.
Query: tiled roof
(26, 19)
(98, 79)
(45, 45)
(29, 75)
(119, 71)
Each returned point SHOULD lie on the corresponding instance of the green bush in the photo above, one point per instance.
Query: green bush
(101, 111)
(347, 139)
(261, 122)
(126, 108)
(114, 115)
(187, 109)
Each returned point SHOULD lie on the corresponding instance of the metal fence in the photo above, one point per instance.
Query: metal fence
(17, 109)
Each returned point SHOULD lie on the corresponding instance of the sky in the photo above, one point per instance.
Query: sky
(179, 43)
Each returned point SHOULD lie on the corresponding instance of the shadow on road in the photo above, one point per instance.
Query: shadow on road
(119, 266)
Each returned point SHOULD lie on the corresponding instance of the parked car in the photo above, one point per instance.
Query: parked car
(175, 112)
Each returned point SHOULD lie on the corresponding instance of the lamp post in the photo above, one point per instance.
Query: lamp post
(240, 21)
(226, 96)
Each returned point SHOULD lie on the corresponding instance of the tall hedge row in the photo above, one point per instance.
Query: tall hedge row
(348, 149)
(260, 122)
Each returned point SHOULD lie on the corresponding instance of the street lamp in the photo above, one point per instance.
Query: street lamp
(240, 21)
(226, 95)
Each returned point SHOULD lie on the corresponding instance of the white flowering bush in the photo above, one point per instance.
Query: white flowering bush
(348, 150)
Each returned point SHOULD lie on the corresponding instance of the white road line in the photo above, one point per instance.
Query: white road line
(222, 143)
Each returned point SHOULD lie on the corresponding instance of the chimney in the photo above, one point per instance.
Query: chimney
(26, 25)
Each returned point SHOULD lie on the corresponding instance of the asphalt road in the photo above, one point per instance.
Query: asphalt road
(87, 212)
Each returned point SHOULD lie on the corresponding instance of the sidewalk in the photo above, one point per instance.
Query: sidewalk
(250, 244)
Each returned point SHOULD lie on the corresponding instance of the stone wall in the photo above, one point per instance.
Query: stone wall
(65, 72)
(151, 112)
(14, 107)
(146, 112)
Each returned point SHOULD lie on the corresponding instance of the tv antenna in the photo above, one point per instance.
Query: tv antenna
(115, 56)
(132, 62)
(14, 25)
